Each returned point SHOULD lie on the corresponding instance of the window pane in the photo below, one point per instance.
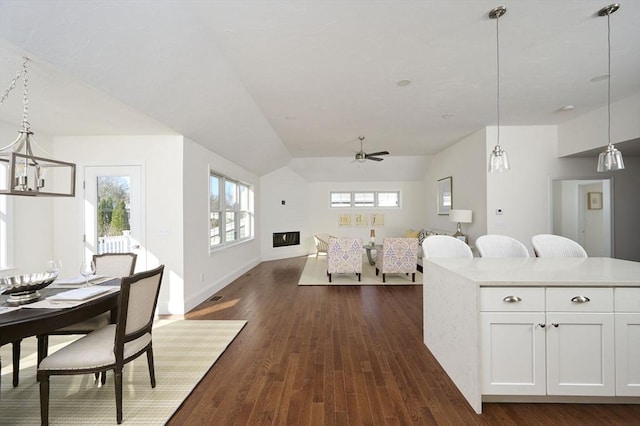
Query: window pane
(114, 194)
(230, 227)
(364, 199)
(388, 199)
(215, 233)
(245, 225)
(244, 197)
(214, 193)
(230, 195)
(340, 199)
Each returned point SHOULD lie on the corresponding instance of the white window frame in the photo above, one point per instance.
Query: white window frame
(355, 204)
(236, 209)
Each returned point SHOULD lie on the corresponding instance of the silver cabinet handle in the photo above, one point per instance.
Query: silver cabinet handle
(555, 324)
(511, 299)
(542, 325)
(580, 299)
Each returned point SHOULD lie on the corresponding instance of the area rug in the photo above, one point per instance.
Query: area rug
(183, 353)
(315, 273)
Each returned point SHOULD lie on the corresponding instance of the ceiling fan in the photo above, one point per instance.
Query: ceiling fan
(362, 156)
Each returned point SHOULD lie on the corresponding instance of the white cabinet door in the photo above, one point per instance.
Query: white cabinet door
(580, 354)
(627, 354)
(513, 353)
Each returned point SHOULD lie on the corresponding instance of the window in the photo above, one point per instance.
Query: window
(364, 199)
(230, 211)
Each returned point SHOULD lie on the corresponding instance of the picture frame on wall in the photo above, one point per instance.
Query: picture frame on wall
(444, 193)
(361, 219)
(344, 220)
(594, 200)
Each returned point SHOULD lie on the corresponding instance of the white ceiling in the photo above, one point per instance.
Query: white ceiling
(263, 82)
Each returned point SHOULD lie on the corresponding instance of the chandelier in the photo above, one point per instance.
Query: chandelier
(610, 159)
(498, 162)
(25, 172)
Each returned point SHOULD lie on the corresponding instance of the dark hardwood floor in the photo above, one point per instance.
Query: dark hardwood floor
(342, 355)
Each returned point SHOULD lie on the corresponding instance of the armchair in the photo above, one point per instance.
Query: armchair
(399, 256)
(344, 256)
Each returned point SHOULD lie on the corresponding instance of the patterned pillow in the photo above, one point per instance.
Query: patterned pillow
(421, 236)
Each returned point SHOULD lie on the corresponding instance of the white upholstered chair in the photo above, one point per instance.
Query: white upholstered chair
(399, 256)
(112, 346)
(436, 246)
(115, 265)
(344, 256)
(548, 245)
(500, 246)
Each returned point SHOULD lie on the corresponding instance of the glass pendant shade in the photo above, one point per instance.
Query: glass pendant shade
(498, 162)
(610, 160)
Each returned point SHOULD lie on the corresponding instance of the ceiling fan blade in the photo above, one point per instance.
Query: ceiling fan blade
(378, 153)
(374, 158)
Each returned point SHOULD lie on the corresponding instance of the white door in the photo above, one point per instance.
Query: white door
(114, 212)
(513, 353)
(580, 354)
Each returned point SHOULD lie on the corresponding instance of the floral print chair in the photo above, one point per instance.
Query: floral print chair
(399, 256)
(344, 256)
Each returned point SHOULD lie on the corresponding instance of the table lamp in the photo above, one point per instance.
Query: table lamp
(460, 216)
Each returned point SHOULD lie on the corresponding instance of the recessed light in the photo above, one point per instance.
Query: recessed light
(566, 108)
(403, 83)
(447, 116)
(600, 78)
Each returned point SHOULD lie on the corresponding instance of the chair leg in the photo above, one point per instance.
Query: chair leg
(16, 362)
(329, 276)
(152, 373)
(117, 379)
(384, 277)
(377, 271)
(44, 398)
(359, 274)
(103, 377)
(413, 277)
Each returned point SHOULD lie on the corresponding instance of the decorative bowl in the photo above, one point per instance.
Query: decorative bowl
(24, 288)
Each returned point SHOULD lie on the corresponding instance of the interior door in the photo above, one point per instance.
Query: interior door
(113, 212)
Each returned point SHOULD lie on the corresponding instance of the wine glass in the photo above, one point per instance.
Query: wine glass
(53, 267)
(87, 269)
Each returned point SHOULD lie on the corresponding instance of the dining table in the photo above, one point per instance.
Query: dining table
(17, 324)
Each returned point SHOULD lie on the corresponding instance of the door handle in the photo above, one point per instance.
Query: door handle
(512, 299)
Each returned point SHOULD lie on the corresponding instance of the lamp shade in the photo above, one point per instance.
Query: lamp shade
(460, 216)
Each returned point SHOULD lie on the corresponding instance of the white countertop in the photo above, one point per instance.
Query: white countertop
(592, 271)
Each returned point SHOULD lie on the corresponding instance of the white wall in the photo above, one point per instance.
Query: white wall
(32, 216)
(465, 163)
(589, 131)
(204, 273)
(161, 160)
(307, 210)
(284, 185)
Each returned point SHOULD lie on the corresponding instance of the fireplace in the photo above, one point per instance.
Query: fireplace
(282, 239)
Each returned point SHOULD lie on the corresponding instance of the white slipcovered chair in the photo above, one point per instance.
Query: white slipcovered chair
(548, 245)
(344, 256)
(112, 346)
(500, 246)
(436, 246)
(399, 256)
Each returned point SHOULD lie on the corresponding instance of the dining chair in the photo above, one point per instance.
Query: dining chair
(322, 245)
(114, 265)
(344, 256)
(548, 245)
(398, 256)
(437, 246)
(112, 346)
(493, 245)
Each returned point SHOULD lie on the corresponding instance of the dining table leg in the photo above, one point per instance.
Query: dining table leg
(16, 362)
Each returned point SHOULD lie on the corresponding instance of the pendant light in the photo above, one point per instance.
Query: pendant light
(610, 159)
(498, 162)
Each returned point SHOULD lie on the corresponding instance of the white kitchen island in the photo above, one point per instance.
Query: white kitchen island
(535, 329)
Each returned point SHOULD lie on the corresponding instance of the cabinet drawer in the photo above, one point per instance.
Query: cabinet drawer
(511, 299)
(579, 299)
(627, 299)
